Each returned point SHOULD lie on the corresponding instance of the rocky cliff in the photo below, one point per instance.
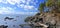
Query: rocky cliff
(49, 19)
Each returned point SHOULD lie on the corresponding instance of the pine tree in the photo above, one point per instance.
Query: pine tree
(53, 5)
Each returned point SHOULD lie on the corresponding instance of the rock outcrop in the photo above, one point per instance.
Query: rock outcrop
(8, 18)
(50, 19)
(2, 26)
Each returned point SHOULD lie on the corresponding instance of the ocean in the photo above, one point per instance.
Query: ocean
(15, 22)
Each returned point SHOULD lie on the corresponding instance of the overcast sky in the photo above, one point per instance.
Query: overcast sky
(19, 6)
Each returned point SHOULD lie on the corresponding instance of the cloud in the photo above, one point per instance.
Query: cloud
(21, 3)
(9, 10)
(6, 10)
(28, 7)
(13, 2)
(25, 4)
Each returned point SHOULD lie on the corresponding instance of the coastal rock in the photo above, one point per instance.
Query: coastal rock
(46, 18)
(2, 26)
(8, 18)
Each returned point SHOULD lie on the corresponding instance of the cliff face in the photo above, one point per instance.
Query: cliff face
(46, 18)
(53, 19)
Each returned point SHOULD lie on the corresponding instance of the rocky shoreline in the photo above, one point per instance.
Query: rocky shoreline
(52, 20)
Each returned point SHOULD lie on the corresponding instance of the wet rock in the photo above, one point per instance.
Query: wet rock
(13, 25)
(38, 14)
(15, 20)
(8, 18)
(2, 26)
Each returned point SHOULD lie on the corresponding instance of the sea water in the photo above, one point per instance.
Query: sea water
(13, 23)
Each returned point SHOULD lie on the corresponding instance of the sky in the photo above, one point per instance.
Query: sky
(19, 6)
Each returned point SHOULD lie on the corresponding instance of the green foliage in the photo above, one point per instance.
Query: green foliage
(49, 3)
(58, 3)
(41, 7)
(54, 5)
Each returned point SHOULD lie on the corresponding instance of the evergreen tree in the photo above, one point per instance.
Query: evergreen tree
(53, 5)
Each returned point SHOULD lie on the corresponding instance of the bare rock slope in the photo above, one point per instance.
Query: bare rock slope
(49, 19)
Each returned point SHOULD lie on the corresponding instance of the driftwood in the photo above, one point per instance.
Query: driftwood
(22, 25)
(39, 25)
(31, 26)
(52, 20)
